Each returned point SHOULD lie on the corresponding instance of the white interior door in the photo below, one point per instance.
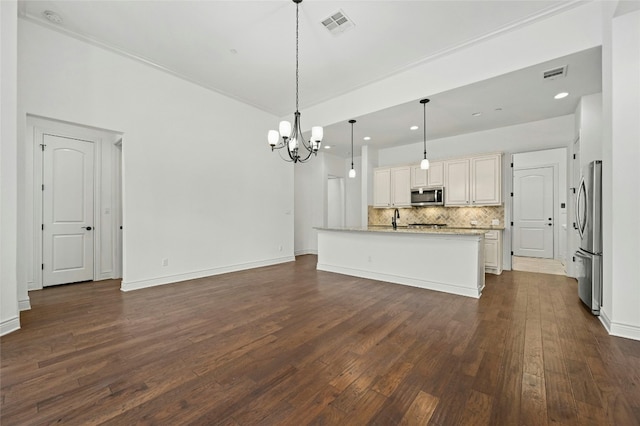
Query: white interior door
(67, 198)
(533, 224)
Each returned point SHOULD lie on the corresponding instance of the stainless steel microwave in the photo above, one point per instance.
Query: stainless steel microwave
(427, 197)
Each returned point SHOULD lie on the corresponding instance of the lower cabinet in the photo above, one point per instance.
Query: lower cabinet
(493, 252)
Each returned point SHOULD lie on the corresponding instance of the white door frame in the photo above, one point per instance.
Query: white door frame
(103, 140)
(554, 219)
(557, 182)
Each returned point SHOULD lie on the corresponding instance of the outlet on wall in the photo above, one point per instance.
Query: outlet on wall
(474, 222)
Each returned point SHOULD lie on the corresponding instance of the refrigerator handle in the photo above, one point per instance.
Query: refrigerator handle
(579, 221)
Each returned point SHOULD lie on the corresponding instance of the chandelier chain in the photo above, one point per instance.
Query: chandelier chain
(297, 36)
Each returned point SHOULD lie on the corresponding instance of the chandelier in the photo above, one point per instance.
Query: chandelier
(298, 150)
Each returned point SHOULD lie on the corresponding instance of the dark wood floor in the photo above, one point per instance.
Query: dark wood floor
(289, 345)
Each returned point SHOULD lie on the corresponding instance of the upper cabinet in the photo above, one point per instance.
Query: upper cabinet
(486, 180)
(392, 187)
(434, 176)
(456, 190)
(474, 181)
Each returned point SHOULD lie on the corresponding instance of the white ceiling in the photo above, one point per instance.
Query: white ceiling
(246, 50)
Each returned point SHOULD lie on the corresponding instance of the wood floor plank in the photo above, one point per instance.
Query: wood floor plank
(287, 344)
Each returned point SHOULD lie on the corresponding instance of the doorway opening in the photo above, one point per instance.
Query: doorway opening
(74, 181)
(335, 201)
(539, 211)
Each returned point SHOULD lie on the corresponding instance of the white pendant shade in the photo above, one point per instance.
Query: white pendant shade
(273, 137)
(317, 133)
(424, 164)
(285, 129)
(352, 173)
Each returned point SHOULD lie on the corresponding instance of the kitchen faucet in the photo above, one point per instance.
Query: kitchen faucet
(394, 223)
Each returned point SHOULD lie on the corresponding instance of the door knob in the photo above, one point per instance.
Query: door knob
(88, 228)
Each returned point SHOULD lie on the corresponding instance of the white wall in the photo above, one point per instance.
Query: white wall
(9, 316)
(201, 187)
(621, 157)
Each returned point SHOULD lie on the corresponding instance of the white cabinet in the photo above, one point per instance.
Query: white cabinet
(493, 252)
(382, 187)
(434, 176)
(419, 177)
(474, 181)
(392, 187)
(486, 180)
(456, 189)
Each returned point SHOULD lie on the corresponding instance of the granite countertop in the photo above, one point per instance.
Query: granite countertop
(483, 227)
(406, 230)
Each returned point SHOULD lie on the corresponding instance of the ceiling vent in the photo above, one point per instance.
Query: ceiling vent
(555, 73)
(337, 23)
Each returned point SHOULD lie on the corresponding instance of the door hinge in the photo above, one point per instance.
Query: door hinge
(42, 266)
(511, 253)
(573, 190)
(574, 156)
(42, 146)
(512, 194)
(511, 223)
(511, 165)
(43, 186)
(573, 258)
(43, 226)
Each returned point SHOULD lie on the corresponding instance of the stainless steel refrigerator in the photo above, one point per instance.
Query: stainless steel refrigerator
(589, 225)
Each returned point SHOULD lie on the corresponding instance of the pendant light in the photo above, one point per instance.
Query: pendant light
(298, 150)
(424, 164)
(352, 172)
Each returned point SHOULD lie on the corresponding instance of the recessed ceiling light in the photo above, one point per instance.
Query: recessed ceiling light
(52, 16)
(561, 95)
(476, 114)
(367, 138)
(413, 127)
(327, 147)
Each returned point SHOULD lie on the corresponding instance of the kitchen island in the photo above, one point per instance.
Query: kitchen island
(447, 260)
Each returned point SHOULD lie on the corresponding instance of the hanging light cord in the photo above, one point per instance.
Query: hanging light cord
(351, 122)
(424, 128)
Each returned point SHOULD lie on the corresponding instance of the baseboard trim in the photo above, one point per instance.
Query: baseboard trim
(24, 305)
(396, 279)
(170, 279)
(307, 251)
(627, 331)
(9, 325)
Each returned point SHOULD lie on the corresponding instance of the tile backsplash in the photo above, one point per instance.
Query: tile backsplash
(452, 216)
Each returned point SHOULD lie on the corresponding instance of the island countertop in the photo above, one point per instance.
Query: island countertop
(406, 230)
